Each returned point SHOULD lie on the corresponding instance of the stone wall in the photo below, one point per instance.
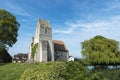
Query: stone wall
(61, 55)
(45, 51)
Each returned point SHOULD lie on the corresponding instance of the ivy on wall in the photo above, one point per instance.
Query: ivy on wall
(34, 50)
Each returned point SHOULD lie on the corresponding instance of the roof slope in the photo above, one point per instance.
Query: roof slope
(59, 45)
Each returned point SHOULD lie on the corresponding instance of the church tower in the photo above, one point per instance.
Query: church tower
(43, 38)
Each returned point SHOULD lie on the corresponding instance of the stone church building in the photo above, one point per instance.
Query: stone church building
(43, 48)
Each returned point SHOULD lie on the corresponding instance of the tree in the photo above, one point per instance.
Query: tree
(100, 50)
(8, 29)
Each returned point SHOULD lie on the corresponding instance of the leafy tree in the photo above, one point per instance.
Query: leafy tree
(101, 50)
(8, 29)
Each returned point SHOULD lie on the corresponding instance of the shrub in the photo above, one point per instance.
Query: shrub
(58, 71)
(45, 71)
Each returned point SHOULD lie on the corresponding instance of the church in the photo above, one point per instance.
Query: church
(43, 48)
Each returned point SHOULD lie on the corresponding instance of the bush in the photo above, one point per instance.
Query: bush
(77, 71)
(109, 74)
(58, 71)
(45, 71)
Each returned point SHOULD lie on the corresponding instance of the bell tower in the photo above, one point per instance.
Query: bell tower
(43, 36)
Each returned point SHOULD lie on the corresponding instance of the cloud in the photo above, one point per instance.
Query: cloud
(80, 30)
(96, 26)
(65, 31)
(71, 27)
(17, 9)
(104, 26)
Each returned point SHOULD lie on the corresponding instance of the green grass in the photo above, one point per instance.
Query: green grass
(13, 71)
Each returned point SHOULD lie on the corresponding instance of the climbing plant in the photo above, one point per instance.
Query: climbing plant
(34, 50)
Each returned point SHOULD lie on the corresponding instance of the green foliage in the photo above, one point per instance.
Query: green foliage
(13, 71)
(8, 29)
(34, 50)
(77, 71)
(55, 71)
(100, 50)
(58, 71)
(4, 56)
(1, 49)
(45, 71)
(108, 74)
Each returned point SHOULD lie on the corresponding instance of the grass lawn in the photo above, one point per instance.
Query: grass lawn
(13, 71)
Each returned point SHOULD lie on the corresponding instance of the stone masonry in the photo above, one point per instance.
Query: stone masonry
(45, 50)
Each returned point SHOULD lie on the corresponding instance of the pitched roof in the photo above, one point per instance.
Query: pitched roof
(59, 45)
(21, 55)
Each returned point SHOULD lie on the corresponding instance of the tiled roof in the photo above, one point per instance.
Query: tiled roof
(59, 45)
